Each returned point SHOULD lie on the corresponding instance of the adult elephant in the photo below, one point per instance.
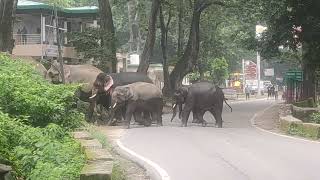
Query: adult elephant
(139, 97)
(202, 97)
(180, 96)
(105, 83)
(84, 73)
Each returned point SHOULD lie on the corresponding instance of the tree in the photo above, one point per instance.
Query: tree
(218, 70)
(189, 58)
(293, 24)
(7, 17)
(149, 44)
(106, 24)
(164, 44)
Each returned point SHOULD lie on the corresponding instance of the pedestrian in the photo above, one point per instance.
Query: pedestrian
(276, 89)
(19, 36)
(24, 33)
(272, 90)
(269, 91)
(247, 91)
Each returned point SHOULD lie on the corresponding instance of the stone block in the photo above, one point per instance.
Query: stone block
(97, 170)
(312, 130)
(98, 155)
(303, 113)
(287, 121)
(90, 144)
(82, 135)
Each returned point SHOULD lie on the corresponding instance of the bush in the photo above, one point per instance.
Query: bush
(39, 153)
(315, 118)
(23, 92)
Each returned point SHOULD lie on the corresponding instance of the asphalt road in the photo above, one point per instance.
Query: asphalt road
(236, 152)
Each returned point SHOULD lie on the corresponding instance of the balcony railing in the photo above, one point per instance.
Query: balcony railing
(21, 39)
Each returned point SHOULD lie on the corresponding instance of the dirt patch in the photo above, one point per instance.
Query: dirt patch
(132, 170)
(269, 119)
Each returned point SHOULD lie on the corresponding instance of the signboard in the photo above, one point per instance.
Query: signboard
(294, 75)
(250, 70)
(269, 72)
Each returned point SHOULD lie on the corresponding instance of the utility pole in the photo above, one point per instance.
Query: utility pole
(60, 59)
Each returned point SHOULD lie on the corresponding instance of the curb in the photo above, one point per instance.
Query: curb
(153, 169)
(276, 134)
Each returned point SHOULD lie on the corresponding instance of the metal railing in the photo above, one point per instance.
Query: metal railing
(21, 39)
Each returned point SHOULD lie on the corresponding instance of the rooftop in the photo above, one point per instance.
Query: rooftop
(32, 5)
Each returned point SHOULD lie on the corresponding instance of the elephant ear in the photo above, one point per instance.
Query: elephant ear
(108, 84)
(125, 94)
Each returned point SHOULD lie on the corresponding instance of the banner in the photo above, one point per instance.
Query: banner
(250, 70)
(269, 72)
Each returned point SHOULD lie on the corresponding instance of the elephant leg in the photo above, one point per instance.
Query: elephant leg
(147, 118)
(199, 116)
(186, 111)
(195, 117)
(129, 111)
(217, 113)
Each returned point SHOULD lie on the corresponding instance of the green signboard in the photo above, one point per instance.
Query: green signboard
(294, 75)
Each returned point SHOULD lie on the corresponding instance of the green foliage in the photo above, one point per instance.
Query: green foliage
(88, 43)
(25, 93)
(218, 70)
(315, 118)
(39, 153)
(215, 70)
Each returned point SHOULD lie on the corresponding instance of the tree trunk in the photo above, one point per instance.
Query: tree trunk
(106, 23)
(7, 16)
(164, 42)
(60, 59)
(189, 58)
(134, 42)
(180, 29)
(148, 48)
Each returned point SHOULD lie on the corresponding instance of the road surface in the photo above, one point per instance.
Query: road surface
(236, 152)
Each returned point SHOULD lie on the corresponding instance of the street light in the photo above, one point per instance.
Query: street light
(259, 30)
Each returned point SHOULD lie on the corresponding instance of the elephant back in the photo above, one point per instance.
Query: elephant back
(85, 74)
(144, 91)
(125, 78)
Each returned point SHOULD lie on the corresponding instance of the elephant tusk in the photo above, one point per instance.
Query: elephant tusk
(93, 96)
(114, 105)
(174, 106)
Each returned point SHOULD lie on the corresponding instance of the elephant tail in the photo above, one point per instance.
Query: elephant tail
(225, 100)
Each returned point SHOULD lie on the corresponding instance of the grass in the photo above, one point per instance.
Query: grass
(118, 173)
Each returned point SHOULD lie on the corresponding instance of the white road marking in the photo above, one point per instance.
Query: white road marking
(281, 135)
(164, 175)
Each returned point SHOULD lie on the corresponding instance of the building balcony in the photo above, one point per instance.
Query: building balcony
(30, 45)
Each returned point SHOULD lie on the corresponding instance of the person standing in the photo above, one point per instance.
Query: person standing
(269, 91)
(276, 89)
(19, 36)
(24, 33)
(247, 91)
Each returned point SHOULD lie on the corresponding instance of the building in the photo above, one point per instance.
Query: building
(34, 31)
(35, 35)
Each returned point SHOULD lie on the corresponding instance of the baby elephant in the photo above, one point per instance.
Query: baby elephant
(139, 97)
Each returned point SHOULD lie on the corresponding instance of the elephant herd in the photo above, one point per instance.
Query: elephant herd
(130, 94)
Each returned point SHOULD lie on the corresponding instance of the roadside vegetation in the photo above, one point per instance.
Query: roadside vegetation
(35, 120)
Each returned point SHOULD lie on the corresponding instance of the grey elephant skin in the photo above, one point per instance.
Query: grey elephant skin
(145, 97)
(119, 79)
(85, 74)
(204, 96)
(180, 96)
